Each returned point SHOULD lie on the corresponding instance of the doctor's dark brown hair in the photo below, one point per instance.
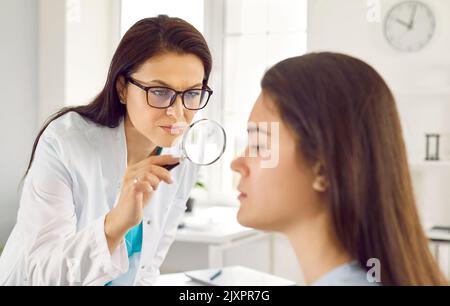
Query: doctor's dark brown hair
(147, 38)
(344, 117)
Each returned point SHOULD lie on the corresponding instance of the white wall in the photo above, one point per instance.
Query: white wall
(92, 32)
(53, 53)
(420, 81)
(51, 57)
(18, 88)
(77, 39)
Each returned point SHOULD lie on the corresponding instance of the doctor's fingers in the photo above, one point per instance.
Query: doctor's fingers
(154, 175)
(143, 186)
(150, 178)
(160, 172)
(158, 160)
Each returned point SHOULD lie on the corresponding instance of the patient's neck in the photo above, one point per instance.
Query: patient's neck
(138, 146)
(317, 248)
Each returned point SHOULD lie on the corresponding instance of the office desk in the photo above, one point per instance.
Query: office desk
(440, 239)
(175, 279)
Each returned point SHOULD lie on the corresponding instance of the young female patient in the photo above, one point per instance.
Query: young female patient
(340, 190)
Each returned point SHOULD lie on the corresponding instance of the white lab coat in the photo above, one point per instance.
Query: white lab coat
(73, 183)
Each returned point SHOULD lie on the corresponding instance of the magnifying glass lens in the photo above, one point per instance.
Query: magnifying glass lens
(204, 142)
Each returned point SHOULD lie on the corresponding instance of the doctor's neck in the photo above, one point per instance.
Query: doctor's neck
(138, 146)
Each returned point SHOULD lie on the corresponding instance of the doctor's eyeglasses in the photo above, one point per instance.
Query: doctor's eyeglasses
(164, 97)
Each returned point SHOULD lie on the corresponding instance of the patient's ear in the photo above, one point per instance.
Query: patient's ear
(320, 183)
(121, 87)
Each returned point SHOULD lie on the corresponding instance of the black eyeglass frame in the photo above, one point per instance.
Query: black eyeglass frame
(174, 98)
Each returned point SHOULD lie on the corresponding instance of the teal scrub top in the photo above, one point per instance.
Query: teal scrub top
(133, 239)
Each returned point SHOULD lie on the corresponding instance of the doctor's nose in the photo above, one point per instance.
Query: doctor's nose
(177, 108)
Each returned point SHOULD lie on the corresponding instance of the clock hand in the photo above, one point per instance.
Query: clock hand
(402, 23)
(413, 15)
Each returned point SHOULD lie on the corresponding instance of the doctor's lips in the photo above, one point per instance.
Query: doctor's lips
(175, 129)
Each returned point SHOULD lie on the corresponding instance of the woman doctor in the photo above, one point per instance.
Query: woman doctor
(97, 205)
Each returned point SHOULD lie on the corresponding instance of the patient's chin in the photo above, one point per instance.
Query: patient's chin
(243, 218)
(252, 220)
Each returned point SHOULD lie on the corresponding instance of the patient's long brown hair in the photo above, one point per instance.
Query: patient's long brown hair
(345, 117)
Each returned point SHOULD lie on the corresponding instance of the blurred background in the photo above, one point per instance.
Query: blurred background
(55, 53)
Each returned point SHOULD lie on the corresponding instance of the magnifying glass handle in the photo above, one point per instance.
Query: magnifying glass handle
(170, 167)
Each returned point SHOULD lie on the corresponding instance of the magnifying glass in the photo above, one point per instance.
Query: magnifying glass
(203, 143)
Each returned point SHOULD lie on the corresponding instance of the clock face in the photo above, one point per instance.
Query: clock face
(410, 26)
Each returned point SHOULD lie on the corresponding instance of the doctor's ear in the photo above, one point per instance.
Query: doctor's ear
(121, 87)
(320, 183)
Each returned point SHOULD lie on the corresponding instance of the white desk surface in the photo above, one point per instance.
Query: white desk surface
(175, 279)
(215, 225)
(234, 276)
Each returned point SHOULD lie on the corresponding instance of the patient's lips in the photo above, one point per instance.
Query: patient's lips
(242, 195)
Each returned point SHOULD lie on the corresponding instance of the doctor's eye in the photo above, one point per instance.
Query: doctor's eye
(161, 92)
(192, 94)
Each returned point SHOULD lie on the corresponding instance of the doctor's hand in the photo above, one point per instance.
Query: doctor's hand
(138, 186)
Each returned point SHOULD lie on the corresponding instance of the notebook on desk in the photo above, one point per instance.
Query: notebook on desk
(237, 276)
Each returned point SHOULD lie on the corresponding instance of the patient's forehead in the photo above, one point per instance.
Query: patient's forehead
(264, 110)
(266, 118)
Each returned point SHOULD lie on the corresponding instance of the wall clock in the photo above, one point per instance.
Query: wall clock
(409, 26)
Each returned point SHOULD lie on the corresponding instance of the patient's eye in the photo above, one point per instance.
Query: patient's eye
(255, 147)
(256, 142)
